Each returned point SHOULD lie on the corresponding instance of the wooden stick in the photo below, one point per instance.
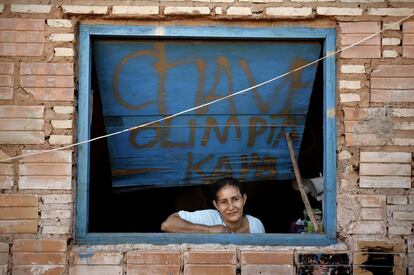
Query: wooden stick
(300, 184)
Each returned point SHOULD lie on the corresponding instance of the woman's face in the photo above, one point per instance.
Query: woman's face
(230, 202)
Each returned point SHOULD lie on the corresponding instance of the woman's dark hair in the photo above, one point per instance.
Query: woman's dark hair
(223, 182)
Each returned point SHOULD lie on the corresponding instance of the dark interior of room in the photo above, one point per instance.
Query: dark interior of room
(275, 203)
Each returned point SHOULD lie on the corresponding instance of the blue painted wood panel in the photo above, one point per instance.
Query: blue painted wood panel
(145, 80)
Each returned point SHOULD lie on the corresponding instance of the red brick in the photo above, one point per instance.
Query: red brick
(362, 52)
(204, 257)
(96, 270)
(133, 269)
(19, 137)
(349, 39)
(394, 245)
(18, 226)
(267, 269)
(45, 169)
(38, 270)
(46, 69)
(6, 68)
(21, 49)
(39, 245)
(408, 27)
(408, 51)
(354, 139)
(50, 258)
(62, 156)
(392, 83)
(6, 169)
(408, 39)
(22, 36)
(360, 27)
(18, 213)
(18, 200)
(6, 93)
(196, 269)
(154, 257)
(21, 124)
(54, 94)
(97, 258)
(394, 71)
(47, 81)
(267, 257)
(6, 80)
(22, 24)
(4, 258)
(21, 111)
(392, 96)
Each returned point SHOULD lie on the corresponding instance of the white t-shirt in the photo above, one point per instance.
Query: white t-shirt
(212, 217)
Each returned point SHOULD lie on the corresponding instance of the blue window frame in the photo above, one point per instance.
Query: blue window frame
(90, 32)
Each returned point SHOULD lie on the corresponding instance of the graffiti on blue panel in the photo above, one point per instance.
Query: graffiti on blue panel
(242, 136)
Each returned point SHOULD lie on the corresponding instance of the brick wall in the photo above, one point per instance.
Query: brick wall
(375, 118)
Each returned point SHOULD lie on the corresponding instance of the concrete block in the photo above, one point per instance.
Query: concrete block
(59, 23)
(391, 41)
(350, 84)
(63, 110)
(55, 229)
(397, 199)
(30, 8)
(339, 11)
(57, 198)
(60, 140)
(389, 54)
(187, 10)
(402, 157)
(384, 182)
(239, 11)
(353, 69)
(368, 227)
(349, 97)
(371, 214)
(390, 11)
(367, 201)
(80, 9)
(400, 230)
(135, 10)
(62, 124)
(289, 12)
(62, 37)
(385, 169)
(64, 52)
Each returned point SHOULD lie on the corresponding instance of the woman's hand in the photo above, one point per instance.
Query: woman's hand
(219, 229)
